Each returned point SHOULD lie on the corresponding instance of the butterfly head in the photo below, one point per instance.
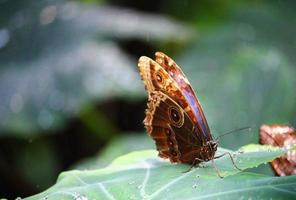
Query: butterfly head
(209, 150)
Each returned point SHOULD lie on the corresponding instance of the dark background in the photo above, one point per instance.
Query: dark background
(71, 96)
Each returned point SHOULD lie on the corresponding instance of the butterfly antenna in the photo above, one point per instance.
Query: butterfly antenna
(232, 131)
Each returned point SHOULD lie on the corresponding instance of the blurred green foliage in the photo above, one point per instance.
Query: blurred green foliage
(244, 73)
(69, 83)
(58, 56)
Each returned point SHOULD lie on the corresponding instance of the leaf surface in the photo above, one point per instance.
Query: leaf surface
(142, 175)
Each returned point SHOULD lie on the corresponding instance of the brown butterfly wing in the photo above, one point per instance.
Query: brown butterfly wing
(179, 77)
(172, 129)
(280, 136)
(156, 78)
(190, 141)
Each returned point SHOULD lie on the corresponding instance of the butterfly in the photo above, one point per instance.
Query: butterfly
(174, 116)
(280, 136)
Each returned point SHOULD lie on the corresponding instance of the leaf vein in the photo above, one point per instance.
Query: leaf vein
(169, 184)
(106, 192)
(147, 175)
(238, 190)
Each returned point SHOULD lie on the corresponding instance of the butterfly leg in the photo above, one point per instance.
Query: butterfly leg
(196, 160)
(200, 160)
(216, 168)
(232, 160)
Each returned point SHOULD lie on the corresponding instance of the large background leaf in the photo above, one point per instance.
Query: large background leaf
(141, 175)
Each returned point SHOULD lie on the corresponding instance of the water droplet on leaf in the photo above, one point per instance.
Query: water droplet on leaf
(131, 182)
(240, 151)
(139, 186)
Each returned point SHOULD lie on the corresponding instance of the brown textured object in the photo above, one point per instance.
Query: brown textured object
(280, 136)
(174, 117)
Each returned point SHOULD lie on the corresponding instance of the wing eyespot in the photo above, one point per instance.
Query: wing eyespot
(159, 79)
(176, 116)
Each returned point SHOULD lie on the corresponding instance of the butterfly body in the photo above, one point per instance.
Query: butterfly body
(174, 117)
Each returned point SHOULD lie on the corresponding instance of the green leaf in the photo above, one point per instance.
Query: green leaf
(119, 146)
(143, 175)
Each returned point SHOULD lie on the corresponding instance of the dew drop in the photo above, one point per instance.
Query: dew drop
(18, 198)
(131, 182)
(202, 165)
(139, 186)
(132, 197)
(194, 186)
(79, 197)
(240, 151)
